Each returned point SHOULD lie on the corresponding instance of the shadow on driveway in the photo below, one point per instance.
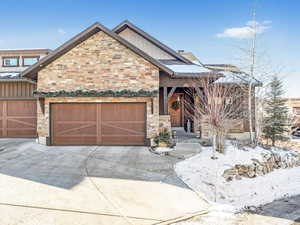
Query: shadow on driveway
(64, 167)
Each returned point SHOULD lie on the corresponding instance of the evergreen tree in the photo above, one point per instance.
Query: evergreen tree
(275, 121)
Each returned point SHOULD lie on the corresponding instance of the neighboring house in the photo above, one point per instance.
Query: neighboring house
(113, 87)
(294, 110)
(190, 56)
(17, 103)
(223, 67)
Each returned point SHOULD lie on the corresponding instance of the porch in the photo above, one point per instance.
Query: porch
(177, 100)
(178, 104)
(176, 108)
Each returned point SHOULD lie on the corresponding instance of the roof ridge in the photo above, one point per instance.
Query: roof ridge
(120, 27)
(83, 35)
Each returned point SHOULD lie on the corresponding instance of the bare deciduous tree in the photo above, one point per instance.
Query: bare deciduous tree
(220, 103)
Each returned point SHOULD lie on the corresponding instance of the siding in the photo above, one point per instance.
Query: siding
(16, 90)
(144, 44)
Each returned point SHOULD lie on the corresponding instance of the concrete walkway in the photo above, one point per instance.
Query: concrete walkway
(89, 185)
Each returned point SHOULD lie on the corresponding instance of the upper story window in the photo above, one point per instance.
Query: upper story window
(10, 61)
(297, 110)
(30, 60)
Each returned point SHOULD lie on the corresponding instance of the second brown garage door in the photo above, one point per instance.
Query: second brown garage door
(98, 124)
(18, 118)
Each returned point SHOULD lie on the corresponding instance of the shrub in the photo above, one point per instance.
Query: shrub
(163, 137)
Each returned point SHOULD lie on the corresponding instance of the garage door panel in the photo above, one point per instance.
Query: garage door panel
(99, 123)
(123, 112)
(21, 108)
(120, 128)
(74, 124)
(25, 132)
(21, 123)
(18, 118)
(78, 140)
(75, 112)
(78, 130)
(123, 140)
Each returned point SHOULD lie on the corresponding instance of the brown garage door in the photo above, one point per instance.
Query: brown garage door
(98, 124)
(18, 118)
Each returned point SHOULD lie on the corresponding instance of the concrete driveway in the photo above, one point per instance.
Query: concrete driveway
(89, 185)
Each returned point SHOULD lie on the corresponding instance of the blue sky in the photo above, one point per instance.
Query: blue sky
(210, 29)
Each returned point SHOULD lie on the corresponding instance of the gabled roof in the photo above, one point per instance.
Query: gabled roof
(31, 72)
(238, 78)
(190, 56)
(232, 74)
(223, 67)
(126, 24)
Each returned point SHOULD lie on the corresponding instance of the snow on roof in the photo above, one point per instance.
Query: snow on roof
(232, 77)
(197, 63)
(188, 68)
(9, 75)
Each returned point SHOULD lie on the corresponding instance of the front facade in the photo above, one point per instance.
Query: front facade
(112, 87)
(118, 68)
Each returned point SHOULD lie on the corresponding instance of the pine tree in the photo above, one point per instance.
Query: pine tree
(275, 121)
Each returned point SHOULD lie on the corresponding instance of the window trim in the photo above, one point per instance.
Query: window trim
(296, 110)
(24, 57)
(11, 57)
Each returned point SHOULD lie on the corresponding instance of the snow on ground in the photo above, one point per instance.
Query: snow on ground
(204, 175)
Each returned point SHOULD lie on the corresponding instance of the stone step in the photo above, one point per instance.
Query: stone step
(185, 150)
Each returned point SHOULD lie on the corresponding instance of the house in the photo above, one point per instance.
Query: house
(113, 87)
(293, 105)
(17, 103)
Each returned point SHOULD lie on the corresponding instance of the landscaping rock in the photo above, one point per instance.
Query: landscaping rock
(270, 161)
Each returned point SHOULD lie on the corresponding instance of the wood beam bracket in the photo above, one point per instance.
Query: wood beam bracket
(171, 92)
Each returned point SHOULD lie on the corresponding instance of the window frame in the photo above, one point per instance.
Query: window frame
(10, 57)
(24, 57)
(297, 111)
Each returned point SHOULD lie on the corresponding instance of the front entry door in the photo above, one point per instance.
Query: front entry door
(175, 111)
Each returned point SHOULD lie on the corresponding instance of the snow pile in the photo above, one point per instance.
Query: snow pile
(4, 75)
(163, 149)
(204, 174)
(216, 213)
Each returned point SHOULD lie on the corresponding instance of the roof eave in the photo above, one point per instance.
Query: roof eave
(197, 75)
(17, 80)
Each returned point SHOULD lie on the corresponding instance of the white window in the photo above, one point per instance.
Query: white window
(30, 60)
(297, 110)
(10, 61)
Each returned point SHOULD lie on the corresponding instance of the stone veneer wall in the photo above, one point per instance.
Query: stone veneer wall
(99, 63)
(165, 123)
